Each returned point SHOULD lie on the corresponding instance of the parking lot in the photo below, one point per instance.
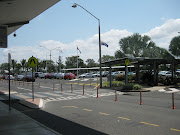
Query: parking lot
(84, 111)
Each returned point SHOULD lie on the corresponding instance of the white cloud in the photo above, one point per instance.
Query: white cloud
(161, 35)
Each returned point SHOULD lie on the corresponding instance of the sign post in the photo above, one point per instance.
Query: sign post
(32, 63)
(126, 70)
(9, 63)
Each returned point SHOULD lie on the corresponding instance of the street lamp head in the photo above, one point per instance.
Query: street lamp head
(74, 5)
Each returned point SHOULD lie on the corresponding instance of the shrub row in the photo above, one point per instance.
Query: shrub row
(128, 86)
(114, 84)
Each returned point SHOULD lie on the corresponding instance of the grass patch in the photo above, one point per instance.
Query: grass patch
(114, 84)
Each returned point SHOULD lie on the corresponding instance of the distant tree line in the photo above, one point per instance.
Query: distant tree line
(135, 45)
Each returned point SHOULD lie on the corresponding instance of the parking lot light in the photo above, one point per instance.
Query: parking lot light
(100, 70)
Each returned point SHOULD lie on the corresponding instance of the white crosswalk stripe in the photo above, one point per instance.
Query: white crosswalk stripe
(59, 96)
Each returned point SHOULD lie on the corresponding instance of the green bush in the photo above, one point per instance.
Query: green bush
(117, 83)
(105, 84)
(137, 87)
(119, 77)
(114, 84)
(128, 86)
(132, 77)
(131, 86)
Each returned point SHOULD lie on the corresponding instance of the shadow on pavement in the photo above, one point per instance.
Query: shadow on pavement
(61, 125)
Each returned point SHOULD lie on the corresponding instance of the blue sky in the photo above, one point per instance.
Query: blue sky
(66, 27)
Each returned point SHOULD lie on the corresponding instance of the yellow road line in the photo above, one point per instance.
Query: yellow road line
(124, 118)
(175, 129)
(81, 84)
(93, 83)
(149, 124)
(69, 106)
(87, 110)
(103, 113)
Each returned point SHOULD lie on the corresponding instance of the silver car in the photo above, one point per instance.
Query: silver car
(59, 76)
(87, 75)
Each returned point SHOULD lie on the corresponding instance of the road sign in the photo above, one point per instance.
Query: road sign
(3, 36)
(127, 62)
(32, 62)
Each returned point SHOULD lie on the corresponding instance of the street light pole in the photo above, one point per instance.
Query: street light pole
(77, 63)
(49, 51)
(60, 61)
(100, 70)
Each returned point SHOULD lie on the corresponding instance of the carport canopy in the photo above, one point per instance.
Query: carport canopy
(137, 61)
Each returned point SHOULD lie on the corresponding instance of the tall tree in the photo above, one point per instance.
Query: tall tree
(71, 62)
(4, 66)
(18, 68)
(23, 62)
(91, 63)
(13, 64)
(119, 54)
(136, 45)
(42, 64)
(174, 46)
(27, 67)
(107, 58)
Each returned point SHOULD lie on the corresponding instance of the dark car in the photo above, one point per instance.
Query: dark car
(29, 78)
(69, 76)
(2, 76)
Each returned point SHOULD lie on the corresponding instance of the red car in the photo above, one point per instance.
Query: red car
(29, 78)
(48, 75)
(69, 76)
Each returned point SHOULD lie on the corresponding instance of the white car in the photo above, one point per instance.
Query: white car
(164, 74)
(41, 75)
(11, 77)
(87, 75)
(19, 77)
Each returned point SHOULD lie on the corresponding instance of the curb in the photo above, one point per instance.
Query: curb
(36, 103)
(135, 90)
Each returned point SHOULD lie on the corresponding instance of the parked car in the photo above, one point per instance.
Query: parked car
(97, 74)
(36, 74)
(11, 77)
(105, 73)
(29, 78)
(132, 73)
(87, 75)
(48, 75)
(69, 76)
(41, 75)
(53, 75)
(114, 74)
(59, 75)
(2, 76)
(19, 77)
(164, 74)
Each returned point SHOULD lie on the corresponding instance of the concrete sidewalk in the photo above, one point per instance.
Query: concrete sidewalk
(14, 122)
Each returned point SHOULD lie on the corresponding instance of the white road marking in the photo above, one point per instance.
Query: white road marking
(24, 89)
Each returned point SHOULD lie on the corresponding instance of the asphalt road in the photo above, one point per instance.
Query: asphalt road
(87, 114)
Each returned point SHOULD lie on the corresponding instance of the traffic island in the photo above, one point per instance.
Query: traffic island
(36, 103)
